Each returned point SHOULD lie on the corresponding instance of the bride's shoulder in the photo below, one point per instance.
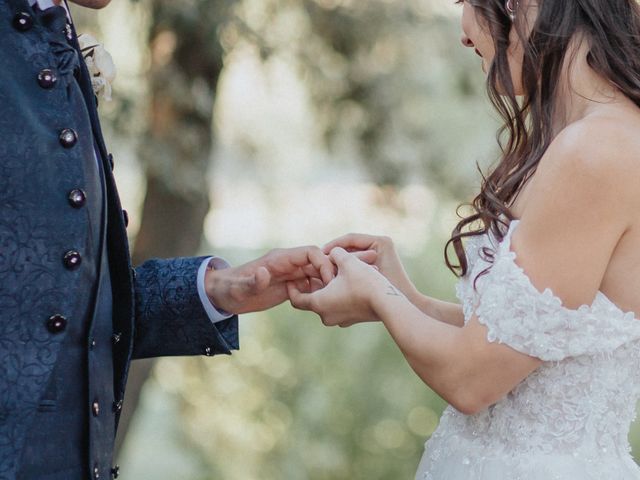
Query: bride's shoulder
(600, 140)
(599, 150)
(590, 171)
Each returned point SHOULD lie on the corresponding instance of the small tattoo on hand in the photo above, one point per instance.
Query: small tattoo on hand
(392, 291)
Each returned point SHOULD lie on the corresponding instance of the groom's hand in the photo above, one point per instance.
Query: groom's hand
(262, 283)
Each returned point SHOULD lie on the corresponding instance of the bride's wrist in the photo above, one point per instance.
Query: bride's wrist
(384, 294)
(404, 284)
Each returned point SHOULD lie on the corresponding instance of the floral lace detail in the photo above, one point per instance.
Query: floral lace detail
(544, 327)
(567, 420)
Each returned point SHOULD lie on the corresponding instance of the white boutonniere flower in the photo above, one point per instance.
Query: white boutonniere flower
(100, 65)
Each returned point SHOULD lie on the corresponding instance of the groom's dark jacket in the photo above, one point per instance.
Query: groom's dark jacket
(73, 311)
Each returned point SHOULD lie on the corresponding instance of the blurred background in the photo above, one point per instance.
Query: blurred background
(239, 126)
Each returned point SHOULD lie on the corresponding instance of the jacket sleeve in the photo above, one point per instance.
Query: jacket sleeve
(169, 317)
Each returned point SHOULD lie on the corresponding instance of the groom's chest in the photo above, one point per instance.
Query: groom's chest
(51, 194)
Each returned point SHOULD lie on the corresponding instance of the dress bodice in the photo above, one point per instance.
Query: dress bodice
(570, 418)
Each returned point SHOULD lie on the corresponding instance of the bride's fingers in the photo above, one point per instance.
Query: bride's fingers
(341, 257)
(367, 256)
(310, 271)
(321, 263)
(304, 285)
(351, 241)
(315, 284)
(309, 260)
(299, 300)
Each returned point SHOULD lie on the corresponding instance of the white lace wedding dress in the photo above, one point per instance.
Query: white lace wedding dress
(567, 420)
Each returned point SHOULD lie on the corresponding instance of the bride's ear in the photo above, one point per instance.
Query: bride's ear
(511, 6)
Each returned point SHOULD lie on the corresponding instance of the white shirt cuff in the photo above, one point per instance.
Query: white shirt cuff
(215, 314)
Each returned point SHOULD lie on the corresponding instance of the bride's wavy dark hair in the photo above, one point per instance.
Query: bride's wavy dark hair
(612, 28)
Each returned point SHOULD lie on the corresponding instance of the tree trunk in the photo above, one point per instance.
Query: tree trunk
(159, 236)
(186, 61)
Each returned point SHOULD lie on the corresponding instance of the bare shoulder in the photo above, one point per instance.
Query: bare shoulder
(591, 169)
(600, 153)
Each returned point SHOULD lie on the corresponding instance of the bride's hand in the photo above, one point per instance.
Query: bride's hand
(347, 299)
(387, 261)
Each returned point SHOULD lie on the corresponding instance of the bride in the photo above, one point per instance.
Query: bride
(540, 362)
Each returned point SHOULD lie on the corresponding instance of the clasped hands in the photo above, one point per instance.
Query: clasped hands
(340, 282)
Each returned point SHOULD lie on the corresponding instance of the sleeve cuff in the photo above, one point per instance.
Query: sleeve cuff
(215, 314)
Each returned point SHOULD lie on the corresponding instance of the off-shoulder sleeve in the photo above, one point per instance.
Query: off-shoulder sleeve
(536, 323)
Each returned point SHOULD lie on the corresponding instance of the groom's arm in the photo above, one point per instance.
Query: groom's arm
(171, 318)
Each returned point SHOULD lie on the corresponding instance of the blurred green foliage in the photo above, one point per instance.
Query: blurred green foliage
(383, 79)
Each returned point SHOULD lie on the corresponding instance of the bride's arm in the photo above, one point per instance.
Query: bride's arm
(459, 364)
(447, 312)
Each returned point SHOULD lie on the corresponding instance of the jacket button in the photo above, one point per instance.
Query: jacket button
(207, 351)
(68, 137)
(125, 216)
(22, 21)
(95, 408)
(111, 164)
(77, 198)
(92, 343)
(72, 259)
(47, 78)
(116, 337)
(117, 405)
(56, 323)
(96, 473)
(115, 471)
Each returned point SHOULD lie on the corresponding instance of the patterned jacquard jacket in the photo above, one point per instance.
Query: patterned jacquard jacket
(49, 255)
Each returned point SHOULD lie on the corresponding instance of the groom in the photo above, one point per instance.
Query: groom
(73, 311)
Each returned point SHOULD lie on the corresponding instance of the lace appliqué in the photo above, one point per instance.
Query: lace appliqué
(536, 323)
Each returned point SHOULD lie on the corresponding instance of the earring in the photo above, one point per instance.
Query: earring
(511, 10)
